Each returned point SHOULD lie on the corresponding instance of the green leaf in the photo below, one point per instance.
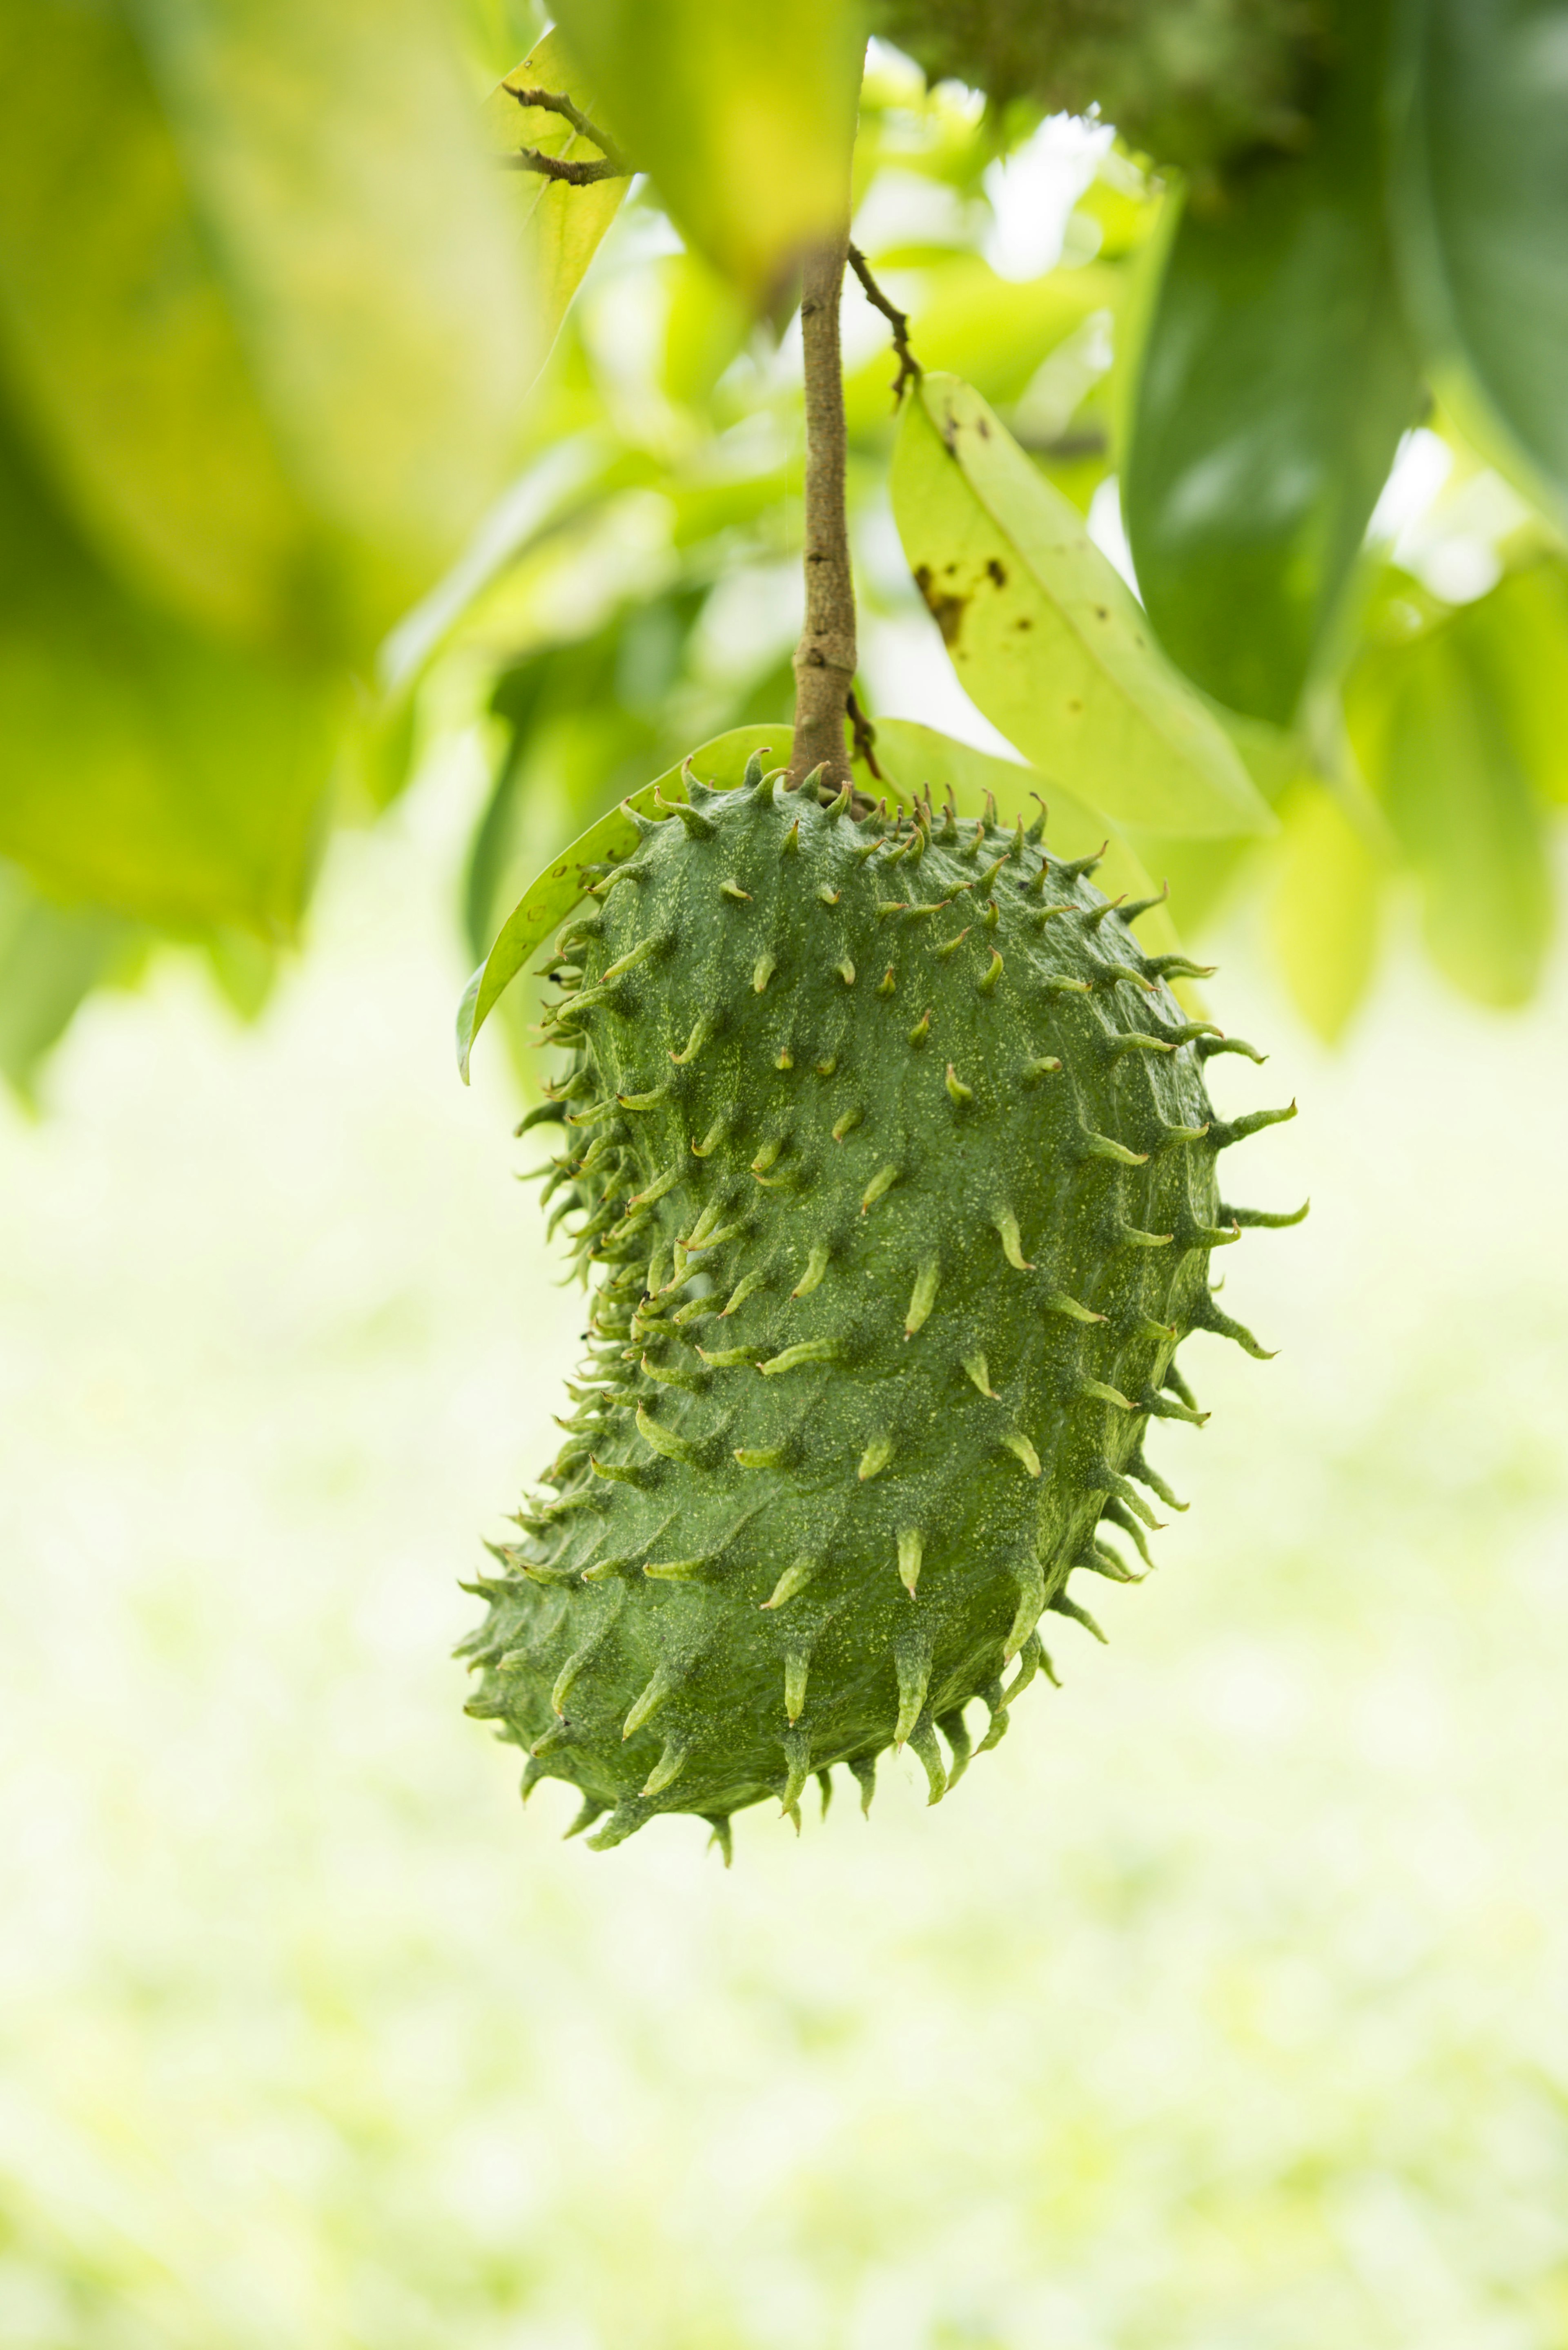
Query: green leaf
(142, 765)
(1433, 739)
(916, 759)
(561, 226)
(1326, 910)
(1480, 212)
(1517, 636)
(550, 898)
(1273, 385)
(1043, 633)
(258, 306)
(743, 115)
(51, 957)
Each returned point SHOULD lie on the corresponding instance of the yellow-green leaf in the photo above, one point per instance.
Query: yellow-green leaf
(1433, 739)
(1045, 636)
(51, 956)
(143, 767)
(1326, 910)
(257, 303)
(125, 355)
(743, 115)
(561, 226)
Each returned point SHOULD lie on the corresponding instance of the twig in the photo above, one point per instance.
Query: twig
(557, 167)
(864, 737)
(825, 658)
(908, 365)
(614, 166)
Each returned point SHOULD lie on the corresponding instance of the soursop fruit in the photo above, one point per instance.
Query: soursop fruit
(895, 1179)
(1192, 82)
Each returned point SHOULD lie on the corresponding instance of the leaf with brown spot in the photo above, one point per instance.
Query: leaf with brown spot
(1046, 637)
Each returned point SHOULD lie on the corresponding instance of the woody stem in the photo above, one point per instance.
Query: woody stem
(825, 658)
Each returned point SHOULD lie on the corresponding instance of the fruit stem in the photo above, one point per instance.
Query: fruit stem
(825, 658)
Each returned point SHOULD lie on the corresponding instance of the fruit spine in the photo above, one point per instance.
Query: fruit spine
(892, 1150)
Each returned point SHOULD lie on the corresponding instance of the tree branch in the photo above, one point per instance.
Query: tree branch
(908, 365)
(615, 166)
(557, 167)
(825, 658)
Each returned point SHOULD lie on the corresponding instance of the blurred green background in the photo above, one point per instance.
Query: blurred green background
(370, 520)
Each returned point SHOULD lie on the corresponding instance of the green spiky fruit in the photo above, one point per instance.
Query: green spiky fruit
(891, 1151)
(1194, 82)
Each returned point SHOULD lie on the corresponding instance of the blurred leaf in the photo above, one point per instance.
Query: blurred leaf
(245, 969)
(1273, 386)
(562, 225)
(963, 316)
(129, 359)
(494, 32)
(377, 751)
(920, 759)
(1201, 875)
(142, 765)
(705, 328)
(1481, 210)
(1518, 635)
(1045, 634)
(550, 898)
(272, 358)
(1325, 910)
(1434, 742)
(51, 957)
(744, 117)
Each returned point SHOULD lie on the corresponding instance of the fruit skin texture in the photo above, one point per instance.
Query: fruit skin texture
(895, 1152)
(1193, 82)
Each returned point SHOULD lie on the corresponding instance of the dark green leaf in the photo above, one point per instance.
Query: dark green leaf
(1480, 206)
(1274, 385)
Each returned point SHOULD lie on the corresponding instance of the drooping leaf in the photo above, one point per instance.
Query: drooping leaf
(1518, 637)
(51, 958)
(562, 226)
(144, 767)
(1481, 208)
(256, 300)
(705, 327)
(1326, 910)
(1043, 633)
(1273, 385)
(1434, 741)
(745, 116)
(126, 358)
